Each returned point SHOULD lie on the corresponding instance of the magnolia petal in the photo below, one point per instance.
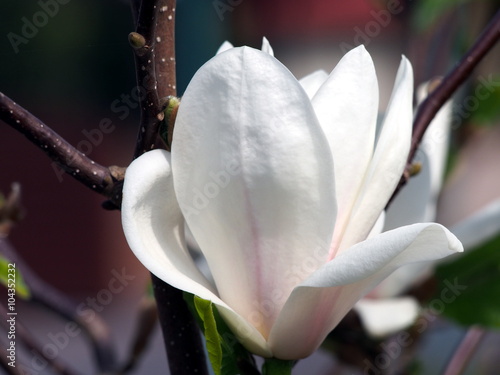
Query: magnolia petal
(416, 202)
(224, 47)
(246, 173)
(480, 227)
(383, 317)
(389, 159)
(154, 228)
(312, 82)
(346, 106)
(266, 47)
(317, 305)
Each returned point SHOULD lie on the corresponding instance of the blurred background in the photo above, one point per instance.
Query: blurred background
(73, 68)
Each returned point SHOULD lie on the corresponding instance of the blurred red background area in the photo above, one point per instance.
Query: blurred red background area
(284, 18)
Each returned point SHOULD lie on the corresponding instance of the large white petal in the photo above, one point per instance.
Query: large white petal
(389, 159)
(154, 228)
(320, 302)
(254, 177)
(346, 106)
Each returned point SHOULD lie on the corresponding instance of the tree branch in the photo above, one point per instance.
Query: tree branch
(181, 333)
(153, 43)
(164, 52)
(105, 181)
(430, 106)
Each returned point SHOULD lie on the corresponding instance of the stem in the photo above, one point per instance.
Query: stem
(464, 352)
(164, 51)
(154, 51)
(274, 366)
(181, 334)
(105, 181)
(430, 106)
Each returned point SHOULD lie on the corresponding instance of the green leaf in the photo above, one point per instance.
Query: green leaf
(11, 278)
(226, 354)
(469, 287)
(212, 337)
(274, 366)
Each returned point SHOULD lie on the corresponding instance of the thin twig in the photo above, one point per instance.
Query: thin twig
(464, 352)
(52, 299)
(430, 106)
(103, 180)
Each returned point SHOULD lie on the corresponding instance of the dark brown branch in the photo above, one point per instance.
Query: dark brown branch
(152, 43)
(164, 54)
(52, 299)
(105, 181)
(430, 106)
(464, 352)
(181, 333)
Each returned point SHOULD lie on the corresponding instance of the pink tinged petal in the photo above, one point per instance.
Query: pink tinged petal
(383, 317)
(266, 47)
(346, 106)
(154, 228)
(224, 47)
(417, 202)
(320, 302)
(389, 159)
(254, 177)
(312, 82)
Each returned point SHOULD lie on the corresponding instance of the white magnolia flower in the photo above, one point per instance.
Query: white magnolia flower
(281, 183)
